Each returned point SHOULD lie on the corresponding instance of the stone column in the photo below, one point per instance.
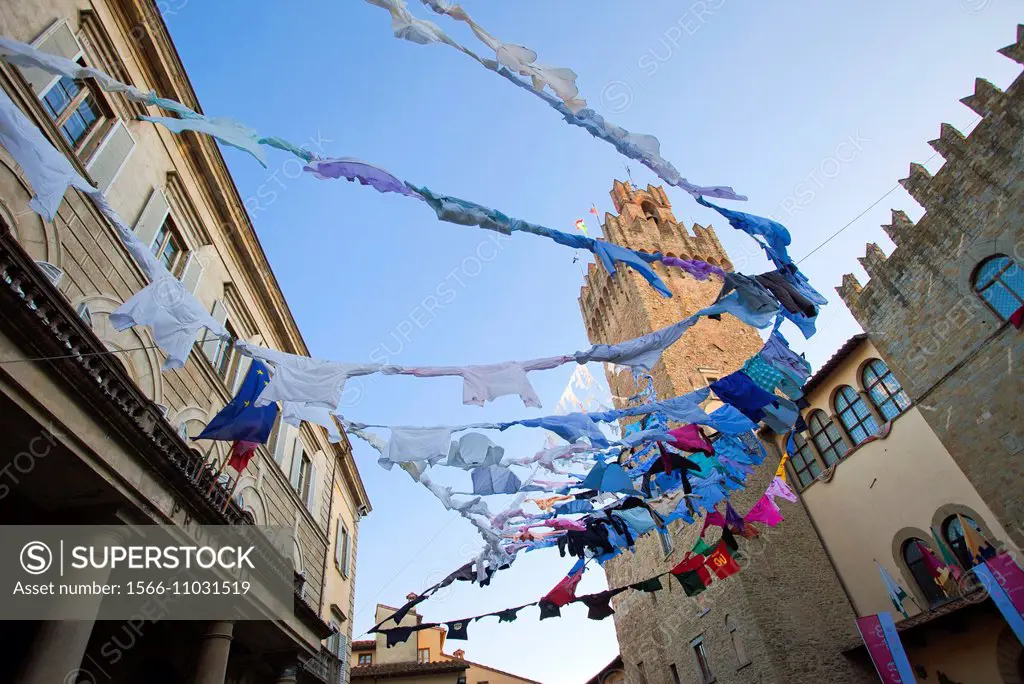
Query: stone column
(289, 675)
(212, 665)
(59, 647)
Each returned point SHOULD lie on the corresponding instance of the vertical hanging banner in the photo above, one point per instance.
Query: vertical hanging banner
(1004, 581)
(886, 650)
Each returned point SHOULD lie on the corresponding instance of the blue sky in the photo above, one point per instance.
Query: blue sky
(812, 110)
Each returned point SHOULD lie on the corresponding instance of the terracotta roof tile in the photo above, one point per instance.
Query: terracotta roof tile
(387, 670)
(364, 645)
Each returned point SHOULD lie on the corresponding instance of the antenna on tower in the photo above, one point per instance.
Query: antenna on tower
(630, 174)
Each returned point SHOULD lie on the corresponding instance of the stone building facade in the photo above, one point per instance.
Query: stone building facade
(787, 585)
(954, 351)
(936, 312)
(120, 428)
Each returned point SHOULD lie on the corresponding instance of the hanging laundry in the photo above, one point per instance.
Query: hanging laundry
(782, 358)
(578, 506)
(638, 520)
(173, 315)
(807, 326)
(776, 237)
(48, 172)
(418, 444)
(294, 414)
(457, 629)
(729, 421)
(399, 635)
(740, 391)
(701, 547)
(560, 595)
(486, 383)
(473, 450)
(224, 129)
(509, 614)
(799, 281)
(701, 270)
(734, 519)
(729, 540)
(779, 489)
(692, 574)
(609, 477)
(305, 380)
(649, 585)
(546, 504)
(721, 562)
(713, 517)
(781, 415)
(764, 511)
(750, 293)
(599, 604)
(691, 438)
(641, 353)
(571, 427)
(240, 419)
(786, 293)
(761, 317)
(764, 375)
(241, 454)
(358, 170)
(495, 480)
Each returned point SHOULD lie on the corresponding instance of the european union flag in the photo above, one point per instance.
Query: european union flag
(240, 419)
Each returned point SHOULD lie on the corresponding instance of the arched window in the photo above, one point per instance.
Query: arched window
(650, 212)
(826, 437)
(804, 462)
(914, 559)
(1000, 282)
(854, 415)
(953, 534)
(884, 389)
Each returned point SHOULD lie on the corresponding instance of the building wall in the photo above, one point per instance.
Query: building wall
(952, 353)
(882, 491)
(399, 653)
(786, 585)
(128, 39)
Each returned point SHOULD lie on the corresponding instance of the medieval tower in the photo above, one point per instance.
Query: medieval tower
(787, 594)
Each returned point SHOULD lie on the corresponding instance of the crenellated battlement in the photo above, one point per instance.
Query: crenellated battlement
(971, 185)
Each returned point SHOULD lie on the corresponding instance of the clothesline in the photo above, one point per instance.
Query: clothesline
(235, 134)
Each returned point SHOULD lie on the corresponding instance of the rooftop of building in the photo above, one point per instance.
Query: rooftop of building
(409, 669)
(840, 355)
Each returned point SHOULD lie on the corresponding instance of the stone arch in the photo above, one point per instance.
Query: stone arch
(899, 539)
(142, 361)
(949, 509)
(1010, 657)
(726, 265)
(37, 236)
(981, 250)
(713, 261)
(252, 500)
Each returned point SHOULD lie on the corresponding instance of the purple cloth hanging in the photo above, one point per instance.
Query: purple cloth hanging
(358, 170)
(700, 270)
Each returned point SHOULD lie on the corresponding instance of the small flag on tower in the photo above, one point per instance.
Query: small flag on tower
(593, 210)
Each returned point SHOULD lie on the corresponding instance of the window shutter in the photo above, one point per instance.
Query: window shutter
(280, 437)
(83, 312)
(212, 345)
(58, 39)
(311, 490)
(152, 217)
(337, 544)
(296, 471)
(243, 370)
(192, 274)
(347, 558)
(111, 155)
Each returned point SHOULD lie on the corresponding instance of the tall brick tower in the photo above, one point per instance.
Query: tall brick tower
(623, 307)
(787, 593)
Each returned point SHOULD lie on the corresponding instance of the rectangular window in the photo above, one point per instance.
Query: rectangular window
(423, 655)
(342, 548)
(167, 245)
(702, 660)
(304, 479)
(366, 659)
(74, 109)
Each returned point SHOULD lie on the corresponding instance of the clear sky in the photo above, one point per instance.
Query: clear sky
(814, 110)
